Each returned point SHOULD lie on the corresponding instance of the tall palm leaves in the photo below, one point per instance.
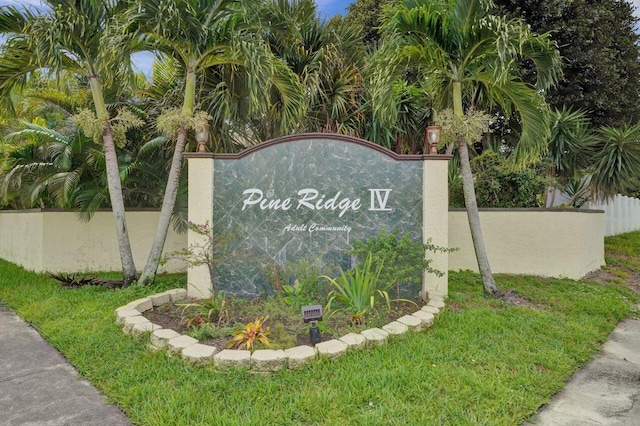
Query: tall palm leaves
(326, 57)
(594, 165)
(470, 58)
(571, 150)
(64, 168)
(76, 36)
(209, 41)
(53, 169)
(16, 59)
(618, 161)
(571, 145)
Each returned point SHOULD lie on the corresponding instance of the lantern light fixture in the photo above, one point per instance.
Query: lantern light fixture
(202, 136)
(433, 138)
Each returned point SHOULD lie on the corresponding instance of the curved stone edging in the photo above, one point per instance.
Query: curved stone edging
(262, 360)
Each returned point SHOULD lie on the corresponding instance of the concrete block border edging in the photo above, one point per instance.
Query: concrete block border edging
(189, 349)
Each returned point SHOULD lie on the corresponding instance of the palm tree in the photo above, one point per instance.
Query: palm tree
(61, 167)
(571, 151)
(592, 164)
(396, 113)
(205, 39)
(76, 36)
(471, 59)
(617, 161)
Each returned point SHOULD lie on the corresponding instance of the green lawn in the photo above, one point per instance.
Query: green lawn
(483, 362)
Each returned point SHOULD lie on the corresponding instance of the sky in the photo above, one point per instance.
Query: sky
(333, 7)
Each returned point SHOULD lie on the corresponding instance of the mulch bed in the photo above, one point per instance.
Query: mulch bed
(171, 316)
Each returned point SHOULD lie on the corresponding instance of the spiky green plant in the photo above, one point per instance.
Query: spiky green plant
(356, 291)
(618, 161)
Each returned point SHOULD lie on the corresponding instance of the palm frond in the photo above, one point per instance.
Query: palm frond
(89, 200)
(45, 133)
(572, 144)
(154, 145)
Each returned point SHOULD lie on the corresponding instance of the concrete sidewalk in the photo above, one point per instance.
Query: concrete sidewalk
(39, 387)
(604, 392)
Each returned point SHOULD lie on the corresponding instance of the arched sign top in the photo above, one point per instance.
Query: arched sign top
(316, 136)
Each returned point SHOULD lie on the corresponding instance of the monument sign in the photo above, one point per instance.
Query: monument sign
(306, 197)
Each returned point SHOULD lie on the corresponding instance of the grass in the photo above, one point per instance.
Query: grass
(484, 362)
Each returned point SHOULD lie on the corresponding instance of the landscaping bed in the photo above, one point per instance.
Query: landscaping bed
(286, 327)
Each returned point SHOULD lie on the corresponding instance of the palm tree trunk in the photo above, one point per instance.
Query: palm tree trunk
(488, 283)
(129, 273)
(171, 190)
(168, 203)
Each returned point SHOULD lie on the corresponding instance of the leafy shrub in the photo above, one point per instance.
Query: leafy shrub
(280, 338)
(306, 286)
(403, 258)
(208, 252)
(210, 331)
(499, 184)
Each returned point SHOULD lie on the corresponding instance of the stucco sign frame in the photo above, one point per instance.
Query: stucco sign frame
(311, 195)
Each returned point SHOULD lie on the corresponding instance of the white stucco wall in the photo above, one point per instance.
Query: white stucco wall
(56, 241)
(21, 238)
(557, 243)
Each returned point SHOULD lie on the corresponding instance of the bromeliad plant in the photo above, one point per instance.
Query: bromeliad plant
(252, 333)
(357, 291)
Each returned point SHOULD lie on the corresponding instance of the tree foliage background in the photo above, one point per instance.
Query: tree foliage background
(599, 44)
(335, 67)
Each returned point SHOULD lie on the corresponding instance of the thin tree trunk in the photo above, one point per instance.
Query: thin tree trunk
(168, 203)
(488, 283)
(450, 148)
(129, 273)
(171, 190)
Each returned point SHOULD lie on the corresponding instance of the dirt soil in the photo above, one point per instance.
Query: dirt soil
(170, 316)
(616, 275)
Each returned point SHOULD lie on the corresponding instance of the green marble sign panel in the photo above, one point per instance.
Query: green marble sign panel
(307, 199)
